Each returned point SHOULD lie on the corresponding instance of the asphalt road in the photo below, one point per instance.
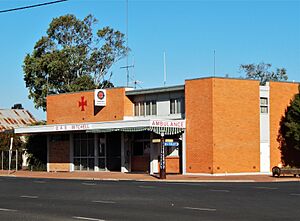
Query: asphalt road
(48, 199)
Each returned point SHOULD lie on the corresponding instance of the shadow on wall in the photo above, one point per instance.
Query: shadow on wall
(36, 147)
(289, 134)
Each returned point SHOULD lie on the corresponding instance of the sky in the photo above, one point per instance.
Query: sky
(240, 32)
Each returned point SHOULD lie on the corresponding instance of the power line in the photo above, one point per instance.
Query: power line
(32, 6)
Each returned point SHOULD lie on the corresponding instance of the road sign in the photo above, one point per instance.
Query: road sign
(169, 140)
(171, 144)
(156, 140)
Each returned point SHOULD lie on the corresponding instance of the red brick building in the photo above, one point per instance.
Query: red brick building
(214, 125)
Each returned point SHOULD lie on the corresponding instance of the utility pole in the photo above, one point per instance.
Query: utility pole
(165, 70)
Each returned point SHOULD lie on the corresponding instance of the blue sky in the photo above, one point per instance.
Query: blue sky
(240, 32)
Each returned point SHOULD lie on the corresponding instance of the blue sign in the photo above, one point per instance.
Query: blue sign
(171, 144)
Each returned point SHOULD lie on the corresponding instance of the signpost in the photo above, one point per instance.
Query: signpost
(162, 171)
(171, 144)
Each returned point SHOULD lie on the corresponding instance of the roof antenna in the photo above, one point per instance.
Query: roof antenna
(127, 66)
(165, 70)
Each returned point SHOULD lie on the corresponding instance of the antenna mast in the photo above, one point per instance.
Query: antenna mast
(127, 71)
(165, 70)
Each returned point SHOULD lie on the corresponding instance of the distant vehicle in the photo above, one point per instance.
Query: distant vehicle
(277, 171)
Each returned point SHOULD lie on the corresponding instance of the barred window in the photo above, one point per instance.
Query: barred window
(146, 108)
(177, 106)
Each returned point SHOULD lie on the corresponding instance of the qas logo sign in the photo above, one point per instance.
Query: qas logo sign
(100, 97)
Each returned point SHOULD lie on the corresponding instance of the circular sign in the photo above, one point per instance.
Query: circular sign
(101, 95)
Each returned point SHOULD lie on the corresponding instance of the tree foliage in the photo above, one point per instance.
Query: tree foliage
(261, 72)
(289, 133)
(71, 57)
(5, 142)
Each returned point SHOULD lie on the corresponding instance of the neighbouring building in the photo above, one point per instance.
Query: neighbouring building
(214, 126)
(13, 118)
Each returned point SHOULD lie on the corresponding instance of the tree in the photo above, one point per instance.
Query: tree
(261, 72)
(36, 149)
(71, 58)
(289, 133)
(5, 142)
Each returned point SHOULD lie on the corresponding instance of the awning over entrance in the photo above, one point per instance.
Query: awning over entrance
(159, 126)
(157, 130)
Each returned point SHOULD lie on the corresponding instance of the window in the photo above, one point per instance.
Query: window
(141, 144)
(264, 105)
(176, 106)
(142, 109)
(153, 108)
(137, 109)
(172, 106)
(84, 151)
(146, 108)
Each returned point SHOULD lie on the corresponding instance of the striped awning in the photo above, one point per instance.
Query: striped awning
(158, 126)
(157, 130)
(125, 129)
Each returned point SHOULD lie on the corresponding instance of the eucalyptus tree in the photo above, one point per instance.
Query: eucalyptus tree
(71, 57)
(261, 72)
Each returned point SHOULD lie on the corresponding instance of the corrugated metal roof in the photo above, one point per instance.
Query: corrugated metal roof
(13, 118)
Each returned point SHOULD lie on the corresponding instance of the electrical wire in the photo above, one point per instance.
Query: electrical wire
(32, 6)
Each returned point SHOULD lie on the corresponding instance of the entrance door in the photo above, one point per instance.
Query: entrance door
(113, 151)
(264, 157)
(140, 159)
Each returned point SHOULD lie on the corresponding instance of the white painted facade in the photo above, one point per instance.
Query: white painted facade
(265, 132)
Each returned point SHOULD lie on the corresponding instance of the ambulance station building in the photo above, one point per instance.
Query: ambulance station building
(210, 125)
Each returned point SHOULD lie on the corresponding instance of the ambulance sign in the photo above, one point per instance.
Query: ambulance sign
(100, 97)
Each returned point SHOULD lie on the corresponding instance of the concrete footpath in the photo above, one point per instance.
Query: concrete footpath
(146, 177)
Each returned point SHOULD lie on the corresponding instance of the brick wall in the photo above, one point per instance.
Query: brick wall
(64, 108)
(236, 136)
(59, 156)
(199, 129)
(280, 97)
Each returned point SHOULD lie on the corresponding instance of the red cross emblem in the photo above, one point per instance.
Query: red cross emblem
(82, 103)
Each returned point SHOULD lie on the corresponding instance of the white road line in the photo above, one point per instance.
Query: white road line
(89, 184)
(188, 184)
(200, 209)
(295, 194)
(147, 187)
(102, 201)
(86, 218)
(7, 210)
(225, 191)
(39, 181)
(266, 188)
(30, 197)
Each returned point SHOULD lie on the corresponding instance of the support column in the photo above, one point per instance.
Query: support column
(183, 152)
(16, 160)
(48, 147)
(153, 156)
(71, 153)
(96, 147)
(124, 147)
